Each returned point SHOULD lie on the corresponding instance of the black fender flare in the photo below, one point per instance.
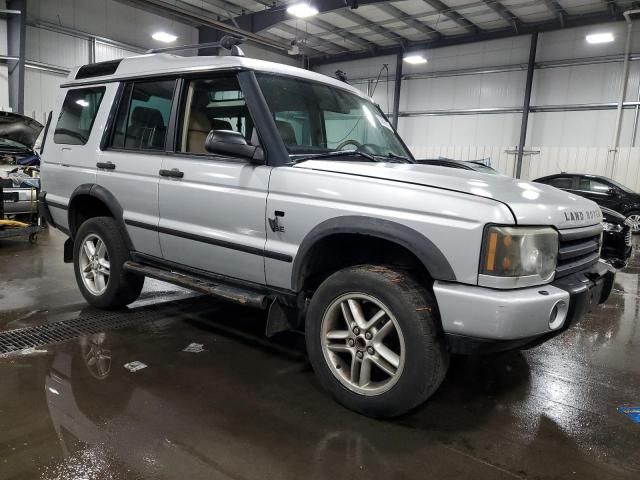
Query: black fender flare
(424, 249)
(108, 199)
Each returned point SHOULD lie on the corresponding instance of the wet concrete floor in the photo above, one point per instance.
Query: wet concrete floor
(249, 408)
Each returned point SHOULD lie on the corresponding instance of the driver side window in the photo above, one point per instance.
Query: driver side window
(214, 104)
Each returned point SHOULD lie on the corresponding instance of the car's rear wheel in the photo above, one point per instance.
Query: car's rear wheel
(374, 340)
(99, 254)
(633, 219)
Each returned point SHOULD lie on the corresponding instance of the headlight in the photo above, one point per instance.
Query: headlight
(515, 257)
(611, 227)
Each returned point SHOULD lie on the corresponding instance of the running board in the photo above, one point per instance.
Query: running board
(246, 297)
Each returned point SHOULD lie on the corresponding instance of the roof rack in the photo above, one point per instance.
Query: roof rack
(228, 42)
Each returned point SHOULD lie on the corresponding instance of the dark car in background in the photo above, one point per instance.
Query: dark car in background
(616, 238)
(602, 190)
(477, 166)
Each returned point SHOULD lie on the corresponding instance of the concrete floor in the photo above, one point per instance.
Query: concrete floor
(249, 408)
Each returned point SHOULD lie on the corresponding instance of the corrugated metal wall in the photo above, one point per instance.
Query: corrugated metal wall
(432, 122)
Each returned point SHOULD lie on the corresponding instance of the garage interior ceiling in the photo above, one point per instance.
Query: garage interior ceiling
(348, 29)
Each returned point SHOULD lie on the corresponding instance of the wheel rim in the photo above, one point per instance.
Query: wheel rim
(96, 357)
(94, 264)
(362, 343)
(634, 222)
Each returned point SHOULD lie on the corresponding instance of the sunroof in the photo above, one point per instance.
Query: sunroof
(98, 69)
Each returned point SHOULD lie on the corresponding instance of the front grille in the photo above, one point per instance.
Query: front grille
(627, 238)
(579, 249)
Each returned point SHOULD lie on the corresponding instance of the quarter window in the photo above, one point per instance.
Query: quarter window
(214, 104)
(78, 113)
(143, 116)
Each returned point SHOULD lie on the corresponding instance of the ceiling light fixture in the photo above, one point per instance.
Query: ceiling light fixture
(605, 37)
(302, 10)
(415, 59)
(164, 37)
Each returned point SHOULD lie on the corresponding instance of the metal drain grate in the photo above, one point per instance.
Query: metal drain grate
(100, 321)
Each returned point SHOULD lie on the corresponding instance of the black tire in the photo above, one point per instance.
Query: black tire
(628, 214)
(122, 287)
(415, 310)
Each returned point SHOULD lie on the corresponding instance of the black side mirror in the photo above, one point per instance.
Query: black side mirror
(229, 142)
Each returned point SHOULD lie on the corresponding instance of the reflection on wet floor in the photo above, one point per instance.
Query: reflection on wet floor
(244, 407)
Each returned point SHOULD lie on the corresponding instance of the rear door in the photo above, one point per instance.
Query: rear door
(598, 191)
(74, 138)
(212, 210)
(129, 166)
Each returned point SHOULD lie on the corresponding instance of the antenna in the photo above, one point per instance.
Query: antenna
(227, 42)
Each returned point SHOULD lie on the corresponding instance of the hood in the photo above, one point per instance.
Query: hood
(18, 131)
(530, 203)
(612, 216)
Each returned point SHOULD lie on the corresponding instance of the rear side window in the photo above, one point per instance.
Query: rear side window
(78, 113)
(143, 115)
(561, 182)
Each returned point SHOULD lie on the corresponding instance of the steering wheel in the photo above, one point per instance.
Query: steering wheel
(355, 143)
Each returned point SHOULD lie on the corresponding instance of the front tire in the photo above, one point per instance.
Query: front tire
(99, 253)
(633, 218)
(374, 340)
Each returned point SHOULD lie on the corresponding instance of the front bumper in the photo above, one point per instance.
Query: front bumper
(485, 320)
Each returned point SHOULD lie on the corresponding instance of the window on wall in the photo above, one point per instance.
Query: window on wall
(143, 115)
(214, 104)
(78, 113)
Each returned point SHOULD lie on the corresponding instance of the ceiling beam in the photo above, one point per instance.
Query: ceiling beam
(360, 20)
(504, 12)
(483, 35)
(395, 12)
(554, 7)
(453, 15)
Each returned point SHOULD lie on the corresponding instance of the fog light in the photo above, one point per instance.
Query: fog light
(558, 315)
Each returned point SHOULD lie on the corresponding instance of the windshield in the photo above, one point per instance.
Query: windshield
(479, 167)
(5, 142)
(314, 118)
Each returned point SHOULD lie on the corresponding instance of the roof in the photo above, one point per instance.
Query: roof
(164, 63)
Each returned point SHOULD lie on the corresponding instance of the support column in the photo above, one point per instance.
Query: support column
(92, 50)
(527, 102)
(16, 33)
(396, 90)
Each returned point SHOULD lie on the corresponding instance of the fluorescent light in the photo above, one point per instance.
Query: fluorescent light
(415, 59)
(302, 10)
(605, 37)
(164, 37)
(82, 102)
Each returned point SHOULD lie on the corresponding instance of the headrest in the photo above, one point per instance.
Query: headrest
(146, 117)
(199, 122)
(286, 132)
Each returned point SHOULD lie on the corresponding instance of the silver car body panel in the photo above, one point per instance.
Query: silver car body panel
(497, 314)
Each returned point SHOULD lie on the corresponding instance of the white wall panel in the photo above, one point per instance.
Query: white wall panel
(106, 52)
(56, 48)
(41, 91)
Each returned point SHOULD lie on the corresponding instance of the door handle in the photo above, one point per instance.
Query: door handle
(173, 173)
(106, 165)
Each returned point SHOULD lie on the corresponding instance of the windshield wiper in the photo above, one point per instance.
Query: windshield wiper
(399, 157)
(337, 153)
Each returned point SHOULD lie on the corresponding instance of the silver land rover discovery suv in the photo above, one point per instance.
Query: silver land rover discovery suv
(282, 189)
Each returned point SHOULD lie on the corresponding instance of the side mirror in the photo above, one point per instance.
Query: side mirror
(229, 142)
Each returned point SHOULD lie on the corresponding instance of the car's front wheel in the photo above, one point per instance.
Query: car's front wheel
(99, 254)
(633, 220)
(374, 340)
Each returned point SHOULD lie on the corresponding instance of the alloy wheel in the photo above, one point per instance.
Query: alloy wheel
(94, 265)
(362, 343)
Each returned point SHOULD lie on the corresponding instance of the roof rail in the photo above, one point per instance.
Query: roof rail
(228, 42)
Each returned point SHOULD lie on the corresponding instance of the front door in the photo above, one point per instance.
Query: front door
(129, 167)
(212, 207)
